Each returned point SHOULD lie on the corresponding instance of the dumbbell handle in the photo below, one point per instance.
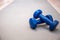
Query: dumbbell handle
(39, 21)
(45, 19)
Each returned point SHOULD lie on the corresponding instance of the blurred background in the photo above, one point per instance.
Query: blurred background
(14, 19)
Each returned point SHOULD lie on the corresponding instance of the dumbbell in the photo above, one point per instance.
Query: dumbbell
(53, 25)
(33, 22)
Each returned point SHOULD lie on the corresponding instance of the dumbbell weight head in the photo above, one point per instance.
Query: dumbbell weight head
(49, 17)
(33, 22)
(53, 26)
(37, 13)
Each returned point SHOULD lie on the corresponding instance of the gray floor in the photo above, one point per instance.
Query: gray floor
(14, 21)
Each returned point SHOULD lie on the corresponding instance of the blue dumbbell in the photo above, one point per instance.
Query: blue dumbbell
(33, 22)
(38, 14)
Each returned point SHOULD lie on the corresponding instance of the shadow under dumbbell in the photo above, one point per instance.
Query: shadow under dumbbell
(43, 26)
(56, 31)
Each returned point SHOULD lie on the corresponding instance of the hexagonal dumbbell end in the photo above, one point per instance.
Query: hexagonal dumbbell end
(54, 25)
(37, 13)
(49, 17)
(33, 23)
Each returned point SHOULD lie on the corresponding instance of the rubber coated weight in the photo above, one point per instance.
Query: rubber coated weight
(33, 22)
(38, 14)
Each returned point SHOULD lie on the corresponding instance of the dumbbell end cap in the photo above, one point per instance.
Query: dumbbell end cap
(32, 23)
(37, 13)
(55, 25)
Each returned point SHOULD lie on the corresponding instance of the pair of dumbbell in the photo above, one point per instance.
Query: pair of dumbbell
(42, 19)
